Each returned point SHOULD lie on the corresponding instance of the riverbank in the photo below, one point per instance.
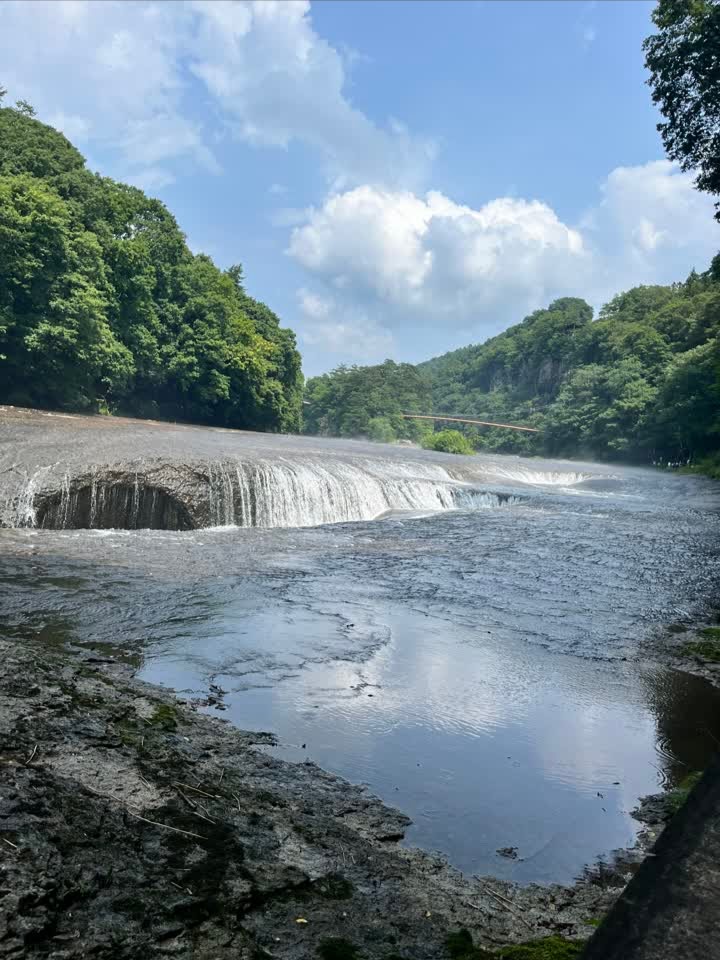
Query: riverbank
(132, 826)
(690, 647)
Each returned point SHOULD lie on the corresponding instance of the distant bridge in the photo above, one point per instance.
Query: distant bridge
(482, 423)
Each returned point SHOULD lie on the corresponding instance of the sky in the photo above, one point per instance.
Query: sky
(397, 178)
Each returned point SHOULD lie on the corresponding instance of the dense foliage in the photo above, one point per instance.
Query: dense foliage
(367, 402)
(448, 441)
(103, 306)
(639, 383)
(684, 66)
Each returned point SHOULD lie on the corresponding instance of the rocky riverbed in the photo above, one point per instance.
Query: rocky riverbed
(133, 826)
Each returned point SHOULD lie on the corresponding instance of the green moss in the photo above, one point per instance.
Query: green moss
(460, 947)
(592, 922)
(705, 649)
(337, 948)
(165, 717)
(678, 796)
(712, 633)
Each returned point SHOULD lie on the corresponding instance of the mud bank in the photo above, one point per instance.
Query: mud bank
(132, 826)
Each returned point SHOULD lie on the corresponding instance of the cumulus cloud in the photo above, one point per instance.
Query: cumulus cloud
(651, 223)
(429, 258)
(430, 261)
(116, 65)
(133, 71)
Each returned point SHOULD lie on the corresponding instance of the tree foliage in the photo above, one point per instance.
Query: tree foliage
(367, 402)
(641, 382)
(448, 441)
(103, 306)
(684, 66)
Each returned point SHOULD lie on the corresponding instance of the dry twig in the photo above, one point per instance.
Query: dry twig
(508, 904)
(203, 793)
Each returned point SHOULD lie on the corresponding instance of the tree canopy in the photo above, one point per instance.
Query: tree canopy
(367, 402)
(684, 66)
(640, 382)
(103, 306)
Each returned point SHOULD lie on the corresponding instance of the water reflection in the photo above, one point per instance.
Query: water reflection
(485, 744)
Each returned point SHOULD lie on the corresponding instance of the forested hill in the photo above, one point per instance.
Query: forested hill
(641, 382)
(104, 307)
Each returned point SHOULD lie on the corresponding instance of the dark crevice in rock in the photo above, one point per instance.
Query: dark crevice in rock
(106, 505)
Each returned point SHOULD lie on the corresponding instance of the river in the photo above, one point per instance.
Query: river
(463, 635)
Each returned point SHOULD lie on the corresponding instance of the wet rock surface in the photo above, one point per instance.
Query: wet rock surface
(133, 827)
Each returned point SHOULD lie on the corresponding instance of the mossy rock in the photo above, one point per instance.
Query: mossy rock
(165, 717)
(705, 649)
(711, 633)
(678, 796)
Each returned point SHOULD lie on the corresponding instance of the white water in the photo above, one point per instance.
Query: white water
(287, 493)
(284, 492)
(543, 478)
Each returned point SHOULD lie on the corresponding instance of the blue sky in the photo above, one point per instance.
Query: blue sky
(398, 178)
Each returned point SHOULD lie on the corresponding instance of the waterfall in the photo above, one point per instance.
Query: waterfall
(22, 507)
(543, 478)
(295, 493)
(282, 492)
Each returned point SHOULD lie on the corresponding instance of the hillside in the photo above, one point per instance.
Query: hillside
(641, 382)
(104, 307)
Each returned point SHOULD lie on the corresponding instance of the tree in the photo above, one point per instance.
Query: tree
(380, 430)
(685, 79)
(27, 109)
(448, 441)
(103, 306)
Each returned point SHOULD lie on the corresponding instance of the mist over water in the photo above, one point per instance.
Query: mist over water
(461, 634)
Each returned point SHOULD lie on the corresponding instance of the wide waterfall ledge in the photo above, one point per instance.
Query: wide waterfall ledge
(167, 495)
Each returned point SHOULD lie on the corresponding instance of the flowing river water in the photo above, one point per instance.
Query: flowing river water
(463, 635)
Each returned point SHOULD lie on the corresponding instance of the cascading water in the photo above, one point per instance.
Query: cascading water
(301, 494)
(255, 493)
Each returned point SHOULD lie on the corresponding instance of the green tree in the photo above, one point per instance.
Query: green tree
(448, 441)
(380, 430)
(682, 58)
(102, 304)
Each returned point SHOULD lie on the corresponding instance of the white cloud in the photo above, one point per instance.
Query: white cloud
(342, 333)
(360, 341)
(115, 64)
(314, 306)
(281, 82)
(130, 70)
(427, 261)
(426, 258)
